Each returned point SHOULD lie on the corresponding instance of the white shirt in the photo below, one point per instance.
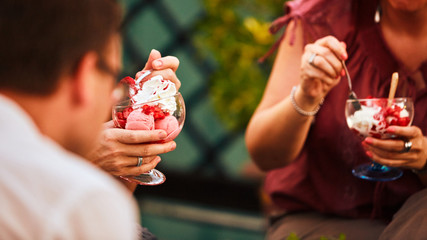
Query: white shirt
(49, 193)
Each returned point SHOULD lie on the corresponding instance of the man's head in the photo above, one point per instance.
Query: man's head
(61, 52)
(42, 40)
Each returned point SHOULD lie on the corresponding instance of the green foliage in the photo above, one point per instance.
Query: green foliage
(234, 33)
(340, 237)
(293, 236)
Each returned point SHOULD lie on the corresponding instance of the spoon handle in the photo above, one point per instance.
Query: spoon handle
(347, 75)
(356, 104)
(393, 85)
(352, 94)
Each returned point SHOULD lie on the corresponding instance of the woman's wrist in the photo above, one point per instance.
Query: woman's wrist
(421, 171)
(304, 106)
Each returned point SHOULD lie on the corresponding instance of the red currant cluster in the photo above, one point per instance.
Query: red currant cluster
(122, 116)
(388, 116)
(156, 111)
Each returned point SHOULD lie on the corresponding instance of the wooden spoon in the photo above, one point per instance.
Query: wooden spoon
(393, 86)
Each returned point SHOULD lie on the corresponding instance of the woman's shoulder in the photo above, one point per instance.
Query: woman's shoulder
(320, 18)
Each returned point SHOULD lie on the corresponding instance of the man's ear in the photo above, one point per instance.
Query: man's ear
(83, 78)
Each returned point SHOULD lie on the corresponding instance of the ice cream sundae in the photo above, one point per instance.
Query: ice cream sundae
(152, 105)
(374, 118)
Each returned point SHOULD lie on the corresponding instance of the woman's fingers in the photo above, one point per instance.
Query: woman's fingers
(324, 59)
(404, 160)
(335, 46)
(389, 162)
(310, 72)
(392, 152)
(309, 75)
(384, 157)
(390, 145)
(405, 132)
(321, 61)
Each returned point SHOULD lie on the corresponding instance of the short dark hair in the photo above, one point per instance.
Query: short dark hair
(42, 40)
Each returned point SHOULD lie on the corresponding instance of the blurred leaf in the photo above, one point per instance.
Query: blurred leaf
(235, 33)
(292, 236)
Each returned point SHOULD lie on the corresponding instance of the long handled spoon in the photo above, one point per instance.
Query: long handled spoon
(352, 94)
(393, 87)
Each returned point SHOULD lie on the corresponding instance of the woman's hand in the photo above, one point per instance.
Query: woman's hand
(118, 150)
(391, 152)
(321, 67)
(164, 66)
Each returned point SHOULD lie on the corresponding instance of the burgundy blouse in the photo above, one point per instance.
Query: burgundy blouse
(320, 179)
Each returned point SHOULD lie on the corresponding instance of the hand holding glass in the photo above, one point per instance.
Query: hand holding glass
(172, 123)
(372, 120)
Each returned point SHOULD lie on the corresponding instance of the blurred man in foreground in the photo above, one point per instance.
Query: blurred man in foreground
(58, 65)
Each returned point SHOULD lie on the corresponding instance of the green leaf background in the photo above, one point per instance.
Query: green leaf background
(234, 34)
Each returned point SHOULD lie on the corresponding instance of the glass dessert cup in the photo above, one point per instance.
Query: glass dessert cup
(161, 116)
(372, 120)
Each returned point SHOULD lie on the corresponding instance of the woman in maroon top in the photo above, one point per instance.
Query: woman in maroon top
(309, 158)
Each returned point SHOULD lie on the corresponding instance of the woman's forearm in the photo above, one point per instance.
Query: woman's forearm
(275, 136)
(277, 131)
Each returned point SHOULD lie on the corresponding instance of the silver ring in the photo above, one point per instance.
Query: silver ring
(407, 146)
(139, 162)
(311, 59)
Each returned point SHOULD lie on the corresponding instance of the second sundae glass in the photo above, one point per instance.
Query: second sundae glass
(372, 120)
(149, 116)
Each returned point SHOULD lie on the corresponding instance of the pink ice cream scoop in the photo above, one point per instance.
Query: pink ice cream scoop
(137, 120)
(170, 125)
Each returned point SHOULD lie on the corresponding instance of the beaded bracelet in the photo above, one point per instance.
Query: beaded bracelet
(300, 110)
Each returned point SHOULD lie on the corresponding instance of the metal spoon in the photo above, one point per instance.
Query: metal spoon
(352, 94)
(146, 73)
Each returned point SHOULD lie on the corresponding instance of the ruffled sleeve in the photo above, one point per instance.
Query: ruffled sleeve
(319, 18)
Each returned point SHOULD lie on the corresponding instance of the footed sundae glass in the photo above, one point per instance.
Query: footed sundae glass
(167, 113)
(372, 120)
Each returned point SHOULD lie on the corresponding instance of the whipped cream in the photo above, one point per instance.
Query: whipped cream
(404, 113)
(365, 123)
(154, 89)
